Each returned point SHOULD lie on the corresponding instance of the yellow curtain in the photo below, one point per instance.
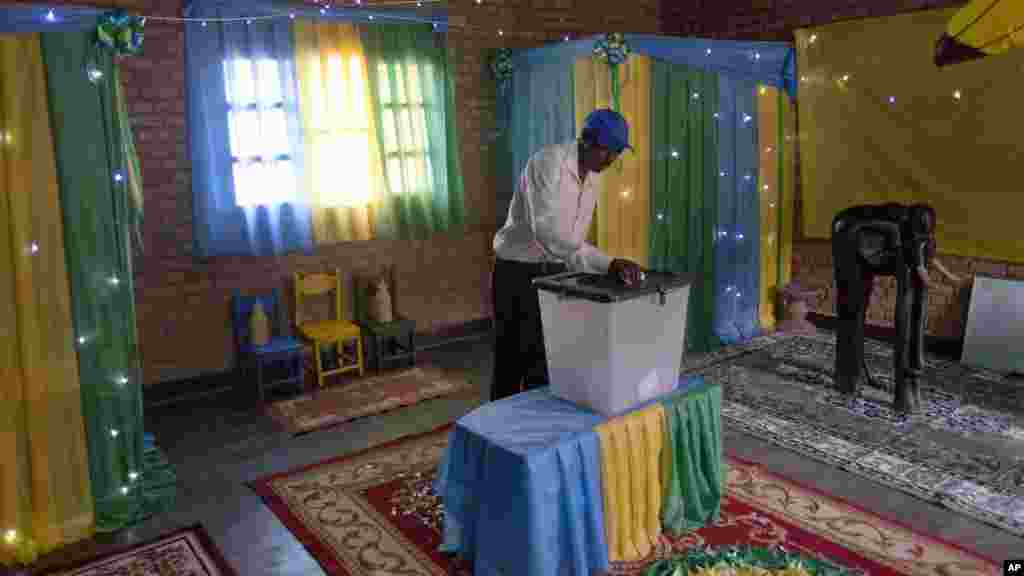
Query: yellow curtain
(624, 205)
(45, 496)
(344, 175)
(631, 480)
(880, 122)
(775, 115)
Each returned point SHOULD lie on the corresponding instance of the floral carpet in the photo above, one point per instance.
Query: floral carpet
(376, 513)
(965, 450)
(188, 552)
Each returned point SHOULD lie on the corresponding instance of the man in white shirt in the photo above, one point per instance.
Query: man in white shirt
(544, 235)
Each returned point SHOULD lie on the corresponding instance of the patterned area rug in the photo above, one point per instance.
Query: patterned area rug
(964, 451)
(187, 552)
(364, 397)
(376, 513)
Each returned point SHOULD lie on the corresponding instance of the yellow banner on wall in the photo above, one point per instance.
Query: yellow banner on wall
(879, 122)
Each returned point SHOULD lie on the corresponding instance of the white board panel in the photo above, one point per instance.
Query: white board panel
(994, 339)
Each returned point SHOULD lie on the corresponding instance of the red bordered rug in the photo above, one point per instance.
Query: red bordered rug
(375, 513)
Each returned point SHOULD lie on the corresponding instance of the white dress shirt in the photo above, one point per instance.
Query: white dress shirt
(550, 213)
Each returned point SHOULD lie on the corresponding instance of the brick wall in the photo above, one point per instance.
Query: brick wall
(812, 260)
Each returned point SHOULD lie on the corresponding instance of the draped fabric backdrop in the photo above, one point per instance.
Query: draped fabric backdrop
(775, 117)
(880, 122)
(343, 179)
(684, 187)
(45, 497)
(706, 191)
(541, 112)
(262, 131)
(737, 244)
(130, 480)
(623, 207)
(412, 90)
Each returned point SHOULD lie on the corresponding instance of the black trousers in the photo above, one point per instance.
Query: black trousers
(858, 260)
(520, 361)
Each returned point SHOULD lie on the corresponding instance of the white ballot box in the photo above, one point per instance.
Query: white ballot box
(609, 346)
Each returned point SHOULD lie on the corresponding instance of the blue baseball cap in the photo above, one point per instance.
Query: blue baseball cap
(609, 128)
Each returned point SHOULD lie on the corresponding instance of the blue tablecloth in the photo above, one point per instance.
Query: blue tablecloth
(521, 486)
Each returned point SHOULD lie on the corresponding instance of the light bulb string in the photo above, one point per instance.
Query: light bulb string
(326, 9)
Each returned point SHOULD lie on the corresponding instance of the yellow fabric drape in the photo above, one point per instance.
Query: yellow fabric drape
(775, 115)
(624, 206)
(880, 122)
(344, 174)
(787, 195)
(631, 479)
(768, 130)
(45, 496)
(992, 26)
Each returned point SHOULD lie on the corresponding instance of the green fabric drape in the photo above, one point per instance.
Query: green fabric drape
(408, 67)
(684, 187)
(130, 480)
(693, 468)
(132, 172)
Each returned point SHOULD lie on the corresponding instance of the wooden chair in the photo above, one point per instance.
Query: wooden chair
(395, 340)
(334, 332)
(282, 348)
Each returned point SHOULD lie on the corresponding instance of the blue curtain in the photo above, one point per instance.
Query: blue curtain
(42, 18)
(221, 226)
(542, 111)
(737, 241)
(768, 63)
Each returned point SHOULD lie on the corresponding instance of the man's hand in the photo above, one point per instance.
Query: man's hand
(627, 272)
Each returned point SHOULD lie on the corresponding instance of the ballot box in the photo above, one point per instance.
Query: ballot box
(610, 346)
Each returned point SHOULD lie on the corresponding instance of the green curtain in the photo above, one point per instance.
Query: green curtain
(408, 70)
(693, 468)
(684, 187)
(130, 478)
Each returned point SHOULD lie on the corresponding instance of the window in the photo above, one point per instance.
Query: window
(404, 125)
(339, 124)
(261, 156)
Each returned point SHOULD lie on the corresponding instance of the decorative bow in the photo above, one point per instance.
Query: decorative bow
(121, 33)
(614, 50)
(502, 68)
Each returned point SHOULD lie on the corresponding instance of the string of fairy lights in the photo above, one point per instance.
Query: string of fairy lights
(325, 9)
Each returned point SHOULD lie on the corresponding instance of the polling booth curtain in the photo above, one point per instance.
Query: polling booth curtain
(413, 106)
(775, 142)
(129, 477)
(880, 122)
(541, 112)
(45, 494)
(343, 178)
(737, 247)
(246, 155)
(623, 207)
(684, 187)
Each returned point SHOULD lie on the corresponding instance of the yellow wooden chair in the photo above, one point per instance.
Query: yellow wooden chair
(336, 331)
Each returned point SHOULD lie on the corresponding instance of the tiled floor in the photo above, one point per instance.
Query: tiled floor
(218, 444)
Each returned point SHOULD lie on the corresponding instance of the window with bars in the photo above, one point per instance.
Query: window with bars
(262, 163)
(407, 161)
(263, 168)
